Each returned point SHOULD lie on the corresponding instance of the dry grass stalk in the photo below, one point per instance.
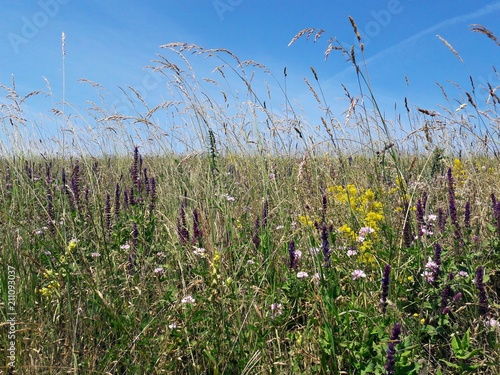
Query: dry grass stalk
(483, 30)
(450, 47)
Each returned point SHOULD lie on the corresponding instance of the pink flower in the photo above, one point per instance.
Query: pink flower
(356, 274)
(302, 275)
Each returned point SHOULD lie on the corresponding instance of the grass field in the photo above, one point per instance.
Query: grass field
(271, 249)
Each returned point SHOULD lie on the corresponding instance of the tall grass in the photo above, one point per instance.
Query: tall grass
(238, 239)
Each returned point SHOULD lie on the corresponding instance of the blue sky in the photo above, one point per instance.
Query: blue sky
(111, 42)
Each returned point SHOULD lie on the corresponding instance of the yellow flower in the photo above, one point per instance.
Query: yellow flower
(71, 246)
(410, 279)
(347, 231)
(305, 220)
(422, 321)
(459, 172)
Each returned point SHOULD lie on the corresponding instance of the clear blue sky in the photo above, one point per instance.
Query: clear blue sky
(111, 42)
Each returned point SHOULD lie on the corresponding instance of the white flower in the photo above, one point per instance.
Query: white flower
(276, 308)
(302, 275)
(199, 251)
(250, 261)
(188, 299)
(159, 271)
(298, 254)
(172, 326)
(279, 227)
(463, 274)
(351, 252)
(492, 323)
(356, 274)
(126, 246)
(95, 255)
(431, 217)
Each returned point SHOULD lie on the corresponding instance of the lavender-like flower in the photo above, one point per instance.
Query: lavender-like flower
(407, 232)
(182, 229)
(265, 212)
(496, 215)
(75, 185)
(483, 301)
(324, 207)
(293, 263)
(437, 260)
(134, 172)
(385, 287)
(445, 296)
(256, 228)
(467, 215)
(420, 217)
(390, 361)
(107, 212)
(325, 246)
(117, 200)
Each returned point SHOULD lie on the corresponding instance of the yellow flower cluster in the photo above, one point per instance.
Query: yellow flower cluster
(459, 172)
(305, 220)
(363, 203)
(368, 209)
(71, 246)
(53, 285)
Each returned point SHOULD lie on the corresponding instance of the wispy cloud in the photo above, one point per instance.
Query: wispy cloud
(488, 9)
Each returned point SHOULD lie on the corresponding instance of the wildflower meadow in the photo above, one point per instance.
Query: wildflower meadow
(245, 242)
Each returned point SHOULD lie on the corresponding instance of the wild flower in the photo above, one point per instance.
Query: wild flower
(125, 246)
(276, 310)
(71, 245)
(305, 220)
(356, 274)
(385, 287)
(293, 260)
(390, 360)
(250, 261)
(351, 252)
(107, 212)
(492, 323)
(483, 301)
(199, 251)
(172, 326)
(188, 300)
(430, 271)
(95, 255)
(279, 227)
(325, 245)
(467, 215)
(302, 275)
(462, 274)
(159, 271)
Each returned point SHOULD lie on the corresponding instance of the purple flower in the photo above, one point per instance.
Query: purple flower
(293, 263)
(483, 301)
(385, 287)
(390, 361)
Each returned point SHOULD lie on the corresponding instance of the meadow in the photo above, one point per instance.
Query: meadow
(272, 248)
